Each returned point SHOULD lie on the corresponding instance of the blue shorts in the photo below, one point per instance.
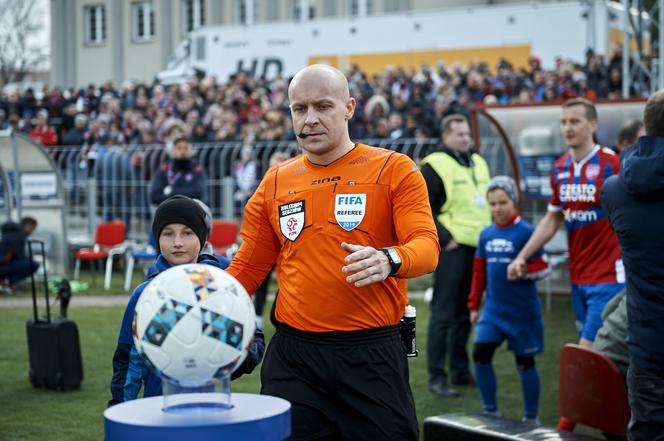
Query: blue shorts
(524, 337)
(589, 302)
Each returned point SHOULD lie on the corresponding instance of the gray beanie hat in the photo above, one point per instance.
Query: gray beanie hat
(505, 183)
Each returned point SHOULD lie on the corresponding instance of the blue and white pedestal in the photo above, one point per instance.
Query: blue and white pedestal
(252, 418)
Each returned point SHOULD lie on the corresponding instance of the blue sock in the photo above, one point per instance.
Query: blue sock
(486, 381)
(530, 385)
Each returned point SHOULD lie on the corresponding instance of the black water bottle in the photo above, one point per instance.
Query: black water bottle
(408, 331)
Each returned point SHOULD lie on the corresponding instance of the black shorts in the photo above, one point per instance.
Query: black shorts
(342, 385)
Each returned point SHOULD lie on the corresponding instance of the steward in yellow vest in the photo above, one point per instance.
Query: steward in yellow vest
(457, 181)
(465, 178)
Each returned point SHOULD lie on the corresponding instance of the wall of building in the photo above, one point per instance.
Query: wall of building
(143, 59)
(64, 39)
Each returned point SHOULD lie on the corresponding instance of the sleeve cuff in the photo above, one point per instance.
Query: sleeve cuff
(554, 208)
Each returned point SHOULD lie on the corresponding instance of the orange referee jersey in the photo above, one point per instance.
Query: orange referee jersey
(300, 214)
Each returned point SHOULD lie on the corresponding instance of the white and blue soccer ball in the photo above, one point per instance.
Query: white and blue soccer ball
(193, 323)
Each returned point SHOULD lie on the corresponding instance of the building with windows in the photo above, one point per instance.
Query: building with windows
(97, 40)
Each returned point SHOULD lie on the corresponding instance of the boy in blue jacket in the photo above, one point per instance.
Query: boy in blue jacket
(181, 231)
(512, 309)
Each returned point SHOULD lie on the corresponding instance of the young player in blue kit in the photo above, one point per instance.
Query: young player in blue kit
(512, 309)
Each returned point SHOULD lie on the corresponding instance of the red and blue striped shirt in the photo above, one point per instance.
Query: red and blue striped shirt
(594, 253)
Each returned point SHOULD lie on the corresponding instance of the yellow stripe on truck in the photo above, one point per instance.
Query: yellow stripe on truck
(376, 62)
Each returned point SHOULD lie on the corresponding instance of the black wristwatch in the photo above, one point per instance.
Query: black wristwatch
(394, 259)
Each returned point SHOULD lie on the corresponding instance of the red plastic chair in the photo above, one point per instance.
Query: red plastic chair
(109, 240)
(223, 235)
(592, 391)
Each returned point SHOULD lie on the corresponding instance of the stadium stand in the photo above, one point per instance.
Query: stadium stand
(251, 109)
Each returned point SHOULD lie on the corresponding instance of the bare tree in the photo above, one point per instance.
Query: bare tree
(19, 54)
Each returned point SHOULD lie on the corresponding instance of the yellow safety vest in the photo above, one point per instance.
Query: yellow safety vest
(465, 212)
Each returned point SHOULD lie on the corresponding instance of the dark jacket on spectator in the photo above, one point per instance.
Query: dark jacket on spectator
(73, 136)
(12, 244)
(634, 203)
(182, 177)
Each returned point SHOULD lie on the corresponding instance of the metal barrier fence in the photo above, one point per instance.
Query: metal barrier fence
(111, 182)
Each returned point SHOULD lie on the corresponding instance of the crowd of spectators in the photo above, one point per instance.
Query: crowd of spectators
(394, 103)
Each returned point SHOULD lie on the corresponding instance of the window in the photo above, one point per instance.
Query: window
(200, 48)
(246, 11)
(193, 13)
(297, 11)
(143, 24)
(242, 11)
(95, 24)
(355, 5)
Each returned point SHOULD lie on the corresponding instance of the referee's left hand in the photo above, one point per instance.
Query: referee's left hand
(368, 264)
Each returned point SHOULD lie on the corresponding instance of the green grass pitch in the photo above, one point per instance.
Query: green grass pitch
(34, 414)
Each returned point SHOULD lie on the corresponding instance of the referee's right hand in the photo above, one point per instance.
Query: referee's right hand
(367, 264)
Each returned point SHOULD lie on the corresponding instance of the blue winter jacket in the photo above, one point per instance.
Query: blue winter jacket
(634, 202)
(129, 370)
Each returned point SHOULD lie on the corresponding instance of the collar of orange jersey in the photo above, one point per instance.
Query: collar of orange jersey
(351, 154)
(514, 219)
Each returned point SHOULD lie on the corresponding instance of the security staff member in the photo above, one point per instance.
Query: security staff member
(347, 224)
(181, 175)
(457, 181)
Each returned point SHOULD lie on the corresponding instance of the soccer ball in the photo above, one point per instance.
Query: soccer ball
(193, 323)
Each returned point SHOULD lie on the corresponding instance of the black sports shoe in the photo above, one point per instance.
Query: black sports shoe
(443, 390)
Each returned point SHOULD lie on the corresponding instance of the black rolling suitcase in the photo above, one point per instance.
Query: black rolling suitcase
(53, 345)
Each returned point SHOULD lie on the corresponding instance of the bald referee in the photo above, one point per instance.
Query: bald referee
(347, 224)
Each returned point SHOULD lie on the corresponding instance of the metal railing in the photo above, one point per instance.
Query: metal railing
(111, 182)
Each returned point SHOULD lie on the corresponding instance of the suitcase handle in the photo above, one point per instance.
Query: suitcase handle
(32, 281)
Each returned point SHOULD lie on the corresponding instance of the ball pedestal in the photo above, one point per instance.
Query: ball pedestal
(250, 418)
(213, 395)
